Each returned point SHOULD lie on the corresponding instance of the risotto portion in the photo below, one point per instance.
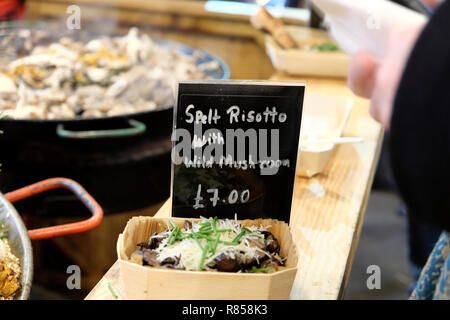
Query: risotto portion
(211, 245)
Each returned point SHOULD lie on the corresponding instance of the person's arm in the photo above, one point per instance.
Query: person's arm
(414, 80)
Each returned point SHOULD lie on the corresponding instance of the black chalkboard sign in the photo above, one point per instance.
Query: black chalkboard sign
(235, 148)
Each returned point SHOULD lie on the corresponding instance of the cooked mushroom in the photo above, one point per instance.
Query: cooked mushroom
(173, 266)
(227, 263)
(270, 263)
(259, 256)
(153, 242)
(172, 263)
(169, 260)
(151, 258)
(254, 261)
(272, 243)
(187, 225)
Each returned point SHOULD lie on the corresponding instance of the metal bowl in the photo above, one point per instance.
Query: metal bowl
(20, 244)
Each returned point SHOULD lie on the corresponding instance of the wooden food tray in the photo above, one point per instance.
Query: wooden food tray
(324, 117)
(304, 62)
(142, 282)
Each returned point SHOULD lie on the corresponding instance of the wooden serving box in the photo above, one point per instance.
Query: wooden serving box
(304, 62)
(143, 282)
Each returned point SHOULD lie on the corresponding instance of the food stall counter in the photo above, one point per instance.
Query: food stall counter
(327, 209)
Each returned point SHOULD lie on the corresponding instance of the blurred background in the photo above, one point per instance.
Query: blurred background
(223, 29)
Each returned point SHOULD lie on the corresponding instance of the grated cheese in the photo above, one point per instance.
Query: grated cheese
(190, 255)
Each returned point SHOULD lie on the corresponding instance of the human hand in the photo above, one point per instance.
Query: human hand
(379, 80)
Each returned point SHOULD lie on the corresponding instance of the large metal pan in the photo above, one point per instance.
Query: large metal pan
(156, 122)
(119, 159)
(19, 238)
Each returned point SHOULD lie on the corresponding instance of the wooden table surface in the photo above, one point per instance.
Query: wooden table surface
(325, 227)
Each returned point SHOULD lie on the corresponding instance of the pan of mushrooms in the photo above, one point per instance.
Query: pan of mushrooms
(95, 86)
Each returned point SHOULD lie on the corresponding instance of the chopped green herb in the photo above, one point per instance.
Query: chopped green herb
(175, 231)
(202, 260)
(205, 224)
(239, 236)
(196, 239)
(214, 224)
(216, 243)
(224, 230)
(255, 269)
(184, 236)
(173, 234)
(113, 292)
(211, 245)
(206, 230)
(173, 224)
(326, 46)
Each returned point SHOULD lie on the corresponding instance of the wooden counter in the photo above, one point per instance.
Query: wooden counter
(325, 227)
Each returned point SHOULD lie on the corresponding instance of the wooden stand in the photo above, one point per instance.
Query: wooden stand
(325, 227)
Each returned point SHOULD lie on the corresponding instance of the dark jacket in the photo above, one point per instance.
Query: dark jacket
(420, 125)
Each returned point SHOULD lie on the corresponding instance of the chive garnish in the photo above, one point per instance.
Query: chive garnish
(202, 260)
(214, 224)
(184, 236)
(210, 245)
(228, 243)
(175, 231)
(111, 289)
(196, 239)
(255, 269)
(216, 242)
(203, 229)
(173, 224)
(223, 230)
(239, 236)
(203, 233)
(171, 235)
